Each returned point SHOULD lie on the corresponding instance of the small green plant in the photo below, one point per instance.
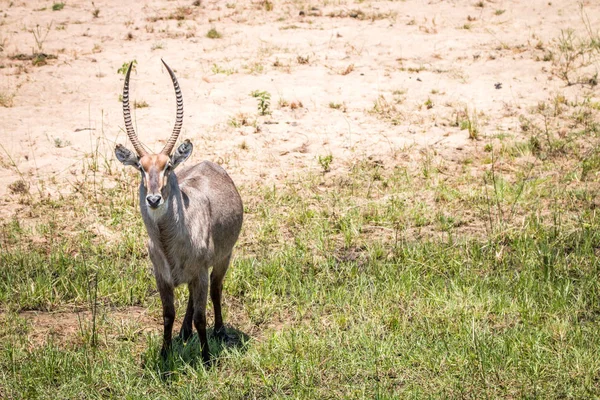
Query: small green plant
(499, 12)
(467, 120)
(58, 6)
(428, 103)
(240, 120)
(123, 69)
(264, 101)
(338, 106)
(325, 162)
(59, 143)
(213, 34)
(255, 68)
(217, 69)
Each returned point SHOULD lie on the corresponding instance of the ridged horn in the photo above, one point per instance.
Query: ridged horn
(127, 116)
(179, 119)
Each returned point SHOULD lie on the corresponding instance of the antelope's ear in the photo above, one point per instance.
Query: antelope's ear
(182, 153)
(126, 156)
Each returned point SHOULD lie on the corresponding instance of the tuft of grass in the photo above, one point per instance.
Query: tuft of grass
(268, 5)
(58, 6)
(303, 59)
(255, 68)
(213, 34)
(338, 106)
(296, 104)
(217, 69)
(95, 11)
(387, 110)
(240, 120)
(59, 143)
(467, 120)
(157, 46)
(181, 13)
(575, 56)
(347, 70)
(18, 187)
(6, 99)
(40, 35)
(140, 104)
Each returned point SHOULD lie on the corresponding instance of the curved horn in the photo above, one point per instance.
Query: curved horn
(179, 119)
(127, 116)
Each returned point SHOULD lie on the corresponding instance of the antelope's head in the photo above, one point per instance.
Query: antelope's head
(155, 168)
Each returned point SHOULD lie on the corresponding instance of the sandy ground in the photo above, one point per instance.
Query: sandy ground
(428, 60)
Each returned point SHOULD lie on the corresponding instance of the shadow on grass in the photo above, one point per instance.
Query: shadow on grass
(188, 354)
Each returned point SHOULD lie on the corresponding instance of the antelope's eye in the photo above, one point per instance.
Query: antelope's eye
(168, 167)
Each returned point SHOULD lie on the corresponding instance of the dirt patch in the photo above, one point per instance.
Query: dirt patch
(65, 328)
(68, 328)
(372, 78)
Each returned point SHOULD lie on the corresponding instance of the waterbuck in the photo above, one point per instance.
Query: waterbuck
(193, 219)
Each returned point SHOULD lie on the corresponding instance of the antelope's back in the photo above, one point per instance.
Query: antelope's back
(207, 186)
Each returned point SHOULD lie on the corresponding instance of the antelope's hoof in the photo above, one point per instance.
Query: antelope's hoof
(164, 353)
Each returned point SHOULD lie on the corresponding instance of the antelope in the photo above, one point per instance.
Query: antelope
(193, 219)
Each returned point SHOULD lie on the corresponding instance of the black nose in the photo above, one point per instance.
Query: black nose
(153, 200)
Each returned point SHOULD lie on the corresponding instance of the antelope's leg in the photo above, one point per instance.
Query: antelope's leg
(166, 296)
(186, 327)
(200, 292)
(216, 290)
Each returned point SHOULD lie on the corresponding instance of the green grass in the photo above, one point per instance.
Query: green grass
(378, 280)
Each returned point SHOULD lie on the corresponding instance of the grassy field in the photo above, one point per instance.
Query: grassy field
(473, 278)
